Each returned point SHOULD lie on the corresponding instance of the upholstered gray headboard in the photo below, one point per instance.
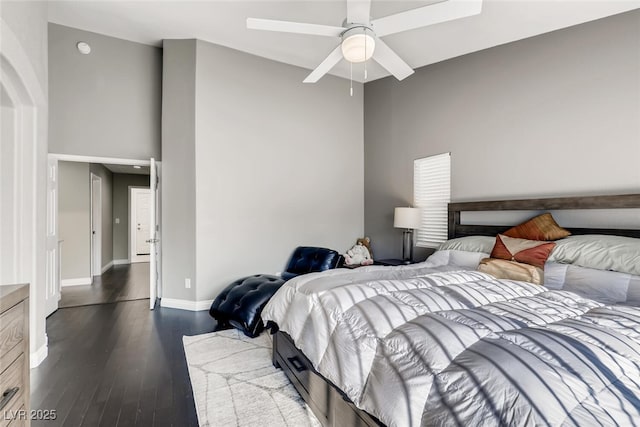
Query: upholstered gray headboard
(624, 201)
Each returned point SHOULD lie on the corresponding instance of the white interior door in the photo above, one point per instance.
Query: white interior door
(52, 275)
(154, 241)
(143, 216)
(96, 225)
(139, 224)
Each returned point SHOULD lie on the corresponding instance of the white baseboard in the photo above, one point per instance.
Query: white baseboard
(183, 304)
(38, 356)
(76, 282)
(204, 305)
(106, 267)
(121, 261)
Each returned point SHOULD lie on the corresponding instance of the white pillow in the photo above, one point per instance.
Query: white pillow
(608, 287)
(469, 244)
(601, 252)
(464, 259)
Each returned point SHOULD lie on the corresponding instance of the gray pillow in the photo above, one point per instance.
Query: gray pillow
(614, 253)
(469, 244)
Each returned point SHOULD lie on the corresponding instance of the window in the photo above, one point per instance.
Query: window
(432, 193)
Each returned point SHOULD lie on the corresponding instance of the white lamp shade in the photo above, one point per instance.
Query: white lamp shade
(358, 47)
(406, 218)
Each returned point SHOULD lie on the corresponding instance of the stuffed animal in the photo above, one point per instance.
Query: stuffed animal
(359, 254)
(366, 242)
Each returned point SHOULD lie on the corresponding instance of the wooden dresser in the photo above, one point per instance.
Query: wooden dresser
(14, 355)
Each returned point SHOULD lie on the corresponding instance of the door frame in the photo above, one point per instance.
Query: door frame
(31, 251)
(95, 225)
(133, 257)
(113, 161)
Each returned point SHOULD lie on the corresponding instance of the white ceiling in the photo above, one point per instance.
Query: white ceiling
(223, 23)
(144, 170)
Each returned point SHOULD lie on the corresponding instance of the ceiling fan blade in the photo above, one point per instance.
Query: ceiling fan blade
(427, 15)
(386, 57)
(294, 27)
(330, 61)
(358, 11)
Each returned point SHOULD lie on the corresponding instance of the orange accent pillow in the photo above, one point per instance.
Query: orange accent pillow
(541, 227)
(532, 252)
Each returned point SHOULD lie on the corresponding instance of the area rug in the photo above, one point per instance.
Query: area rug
(235, 384)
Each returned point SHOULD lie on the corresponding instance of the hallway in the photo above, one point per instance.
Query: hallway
(125, 282)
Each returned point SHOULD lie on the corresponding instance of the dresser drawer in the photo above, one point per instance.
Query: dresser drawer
(12, 377)
(12, 330)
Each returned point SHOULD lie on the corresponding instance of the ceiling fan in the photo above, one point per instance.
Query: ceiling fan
(360, 35)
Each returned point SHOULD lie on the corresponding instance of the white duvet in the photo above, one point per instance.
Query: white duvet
(433, 344)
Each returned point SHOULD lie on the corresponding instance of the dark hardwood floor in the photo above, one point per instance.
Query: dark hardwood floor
(118, 364)
(119, 283)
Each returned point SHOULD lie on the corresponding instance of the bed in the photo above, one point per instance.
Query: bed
(438, 343)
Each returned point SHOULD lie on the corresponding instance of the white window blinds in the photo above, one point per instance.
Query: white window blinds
(432, 193)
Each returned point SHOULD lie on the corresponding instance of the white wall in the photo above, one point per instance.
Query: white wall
(8, 239)
(278, 164)
(24, 48)
(557, 114)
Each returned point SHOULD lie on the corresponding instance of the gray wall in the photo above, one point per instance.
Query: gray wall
(74, 219)
(278, 163)
(557, 114)
(178, 170)
(107, 103)
(121, 184)
(107, 212)
(27, 21)
(251, 168)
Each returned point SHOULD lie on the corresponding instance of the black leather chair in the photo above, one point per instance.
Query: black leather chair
(240, 304)
(308, 259)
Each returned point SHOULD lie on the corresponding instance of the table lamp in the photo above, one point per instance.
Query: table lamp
(409, 219)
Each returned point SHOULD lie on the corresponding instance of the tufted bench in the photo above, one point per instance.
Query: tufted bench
(240, 304)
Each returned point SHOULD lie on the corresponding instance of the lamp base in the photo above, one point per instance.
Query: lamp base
(407, 245)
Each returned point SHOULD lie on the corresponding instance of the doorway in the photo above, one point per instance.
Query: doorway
(25, 237)
(116, 272)
(139, 220)
(96, 226)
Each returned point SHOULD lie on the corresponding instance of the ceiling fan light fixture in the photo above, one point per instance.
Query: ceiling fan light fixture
(358, 47)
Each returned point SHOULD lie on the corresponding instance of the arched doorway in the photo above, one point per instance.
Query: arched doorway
(23, 157)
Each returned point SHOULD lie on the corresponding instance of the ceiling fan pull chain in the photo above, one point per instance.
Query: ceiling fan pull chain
(364, 31)
(351, 78)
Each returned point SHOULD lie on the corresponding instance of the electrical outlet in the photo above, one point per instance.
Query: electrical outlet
(117, 220)
(187, 283)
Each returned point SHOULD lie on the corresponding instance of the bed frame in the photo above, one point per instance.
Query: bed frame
(330, 405)
(456, 229)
